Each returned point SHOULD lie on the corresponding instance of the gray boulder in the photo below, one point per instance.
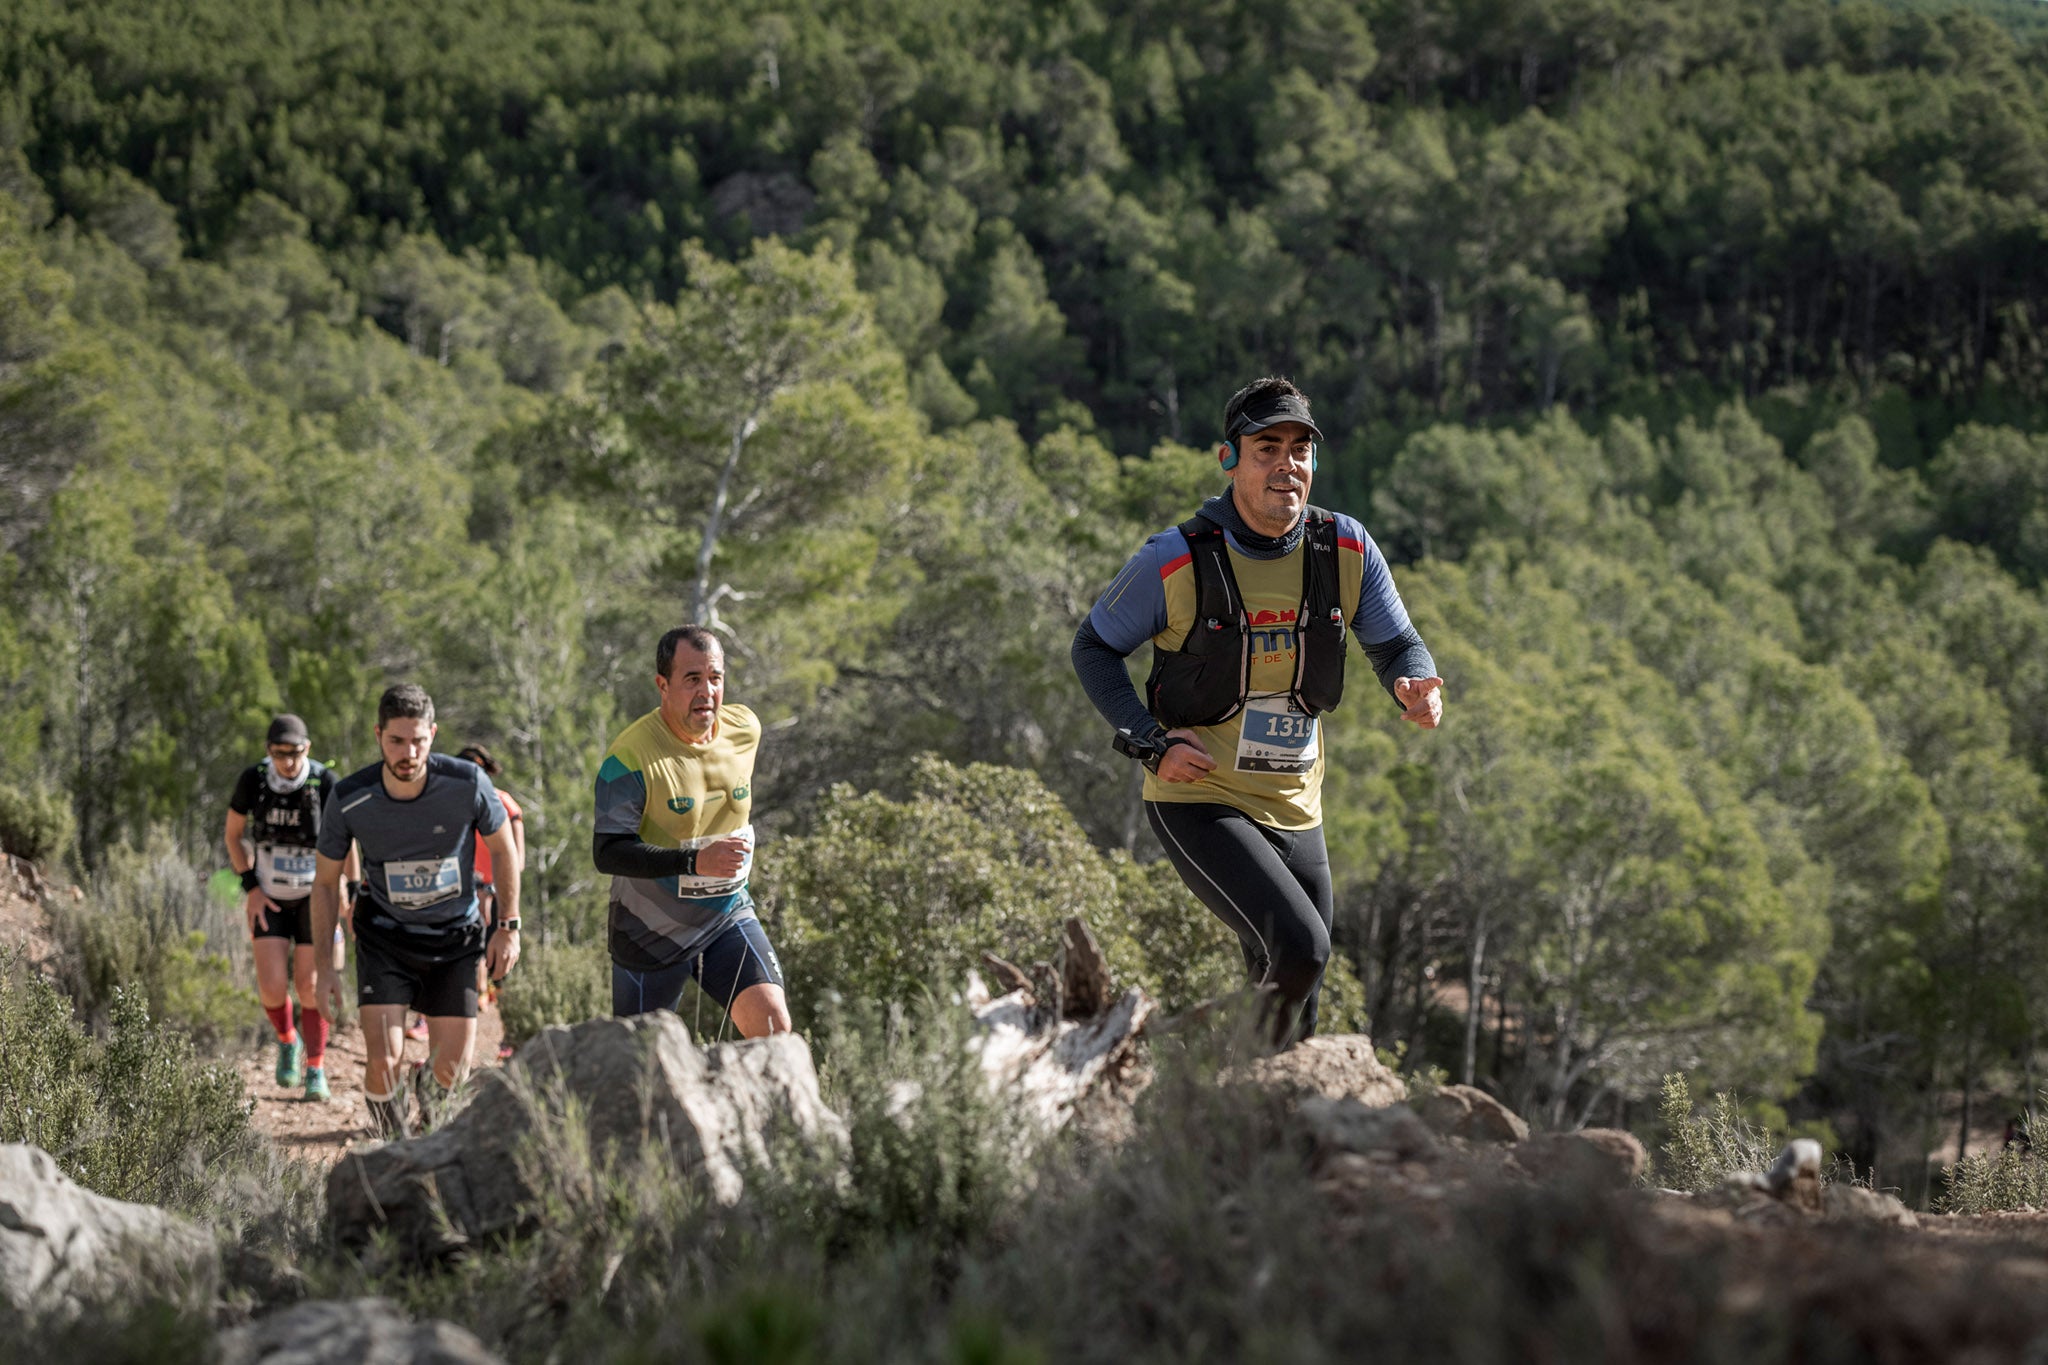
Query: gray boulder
(1342, 1066)
(1350, 1126)
(64, 1249)
(716, 1110)
(353, 1332)
(1464, 1111)
(1607, 1158)
(1860, 1204)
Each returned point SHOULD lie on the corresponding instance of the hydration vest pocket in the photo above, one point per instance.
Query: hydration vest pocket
(1206, 688)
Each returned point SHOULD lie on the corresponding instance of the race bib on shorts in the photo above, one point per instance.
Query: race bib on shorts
(1276, 738)
(285, 873)
(416, 885)
(706, 887)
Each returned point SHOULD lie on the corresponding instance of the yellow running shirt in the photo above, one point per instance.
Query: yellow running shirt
(674, 794)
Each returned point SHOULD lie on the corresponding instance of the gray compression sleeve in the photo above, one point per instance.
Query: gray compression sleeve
(1108, 684)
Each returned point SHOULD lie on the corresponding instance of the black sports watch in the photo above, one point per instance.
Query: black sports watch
(1149, 750)
(512, 924)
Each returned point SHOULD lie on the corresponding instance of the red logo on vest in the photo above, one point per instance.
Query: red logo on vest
(1272, 618)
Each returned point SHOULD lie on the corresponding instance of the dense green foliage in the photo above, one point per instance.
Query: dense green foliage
(133, 1114)
(1686, 359)
(1114, 210)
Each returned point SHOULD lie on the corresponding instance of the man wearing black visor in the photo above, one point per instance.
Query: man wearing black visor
(1247, 605)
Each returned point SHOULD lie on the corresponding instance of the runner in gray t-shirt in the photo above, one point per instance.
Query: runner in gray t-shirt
(415, 817)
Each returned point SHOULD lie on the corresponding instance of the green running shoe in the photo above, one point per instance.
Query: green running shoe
(316, 1083)
(290, 1057)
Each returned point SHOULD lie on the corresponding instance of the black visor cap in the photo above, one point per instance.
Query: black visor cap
(1271, 412)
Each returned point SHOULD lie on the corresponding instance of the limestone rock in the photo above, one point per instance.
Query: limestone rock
(352, 1332)
(637, 1081)
(1465, 1111)
(64, 1248)
(1342, 1066)
(1350, 1125)
(1604, 1157)
(1857, 1204)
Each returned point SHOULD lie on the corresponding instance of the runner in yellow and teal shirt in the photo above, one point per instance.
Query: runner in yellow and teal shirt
(1247, 606)
(675, 831)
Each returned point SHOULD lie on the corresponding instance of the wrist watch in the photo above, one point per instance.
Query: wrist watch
(1147, 751)
(512, 924)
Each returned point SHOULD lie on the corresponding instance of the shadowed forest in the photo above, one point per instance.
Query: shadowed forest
(1690, 363)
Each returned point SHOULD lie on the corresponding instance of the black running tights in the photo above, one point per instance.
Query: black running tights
(1271, 886)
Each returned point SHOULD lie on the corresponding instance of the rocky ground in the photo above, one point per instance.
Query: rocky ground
(314, 1132)
(321, 1132)
(24, 924)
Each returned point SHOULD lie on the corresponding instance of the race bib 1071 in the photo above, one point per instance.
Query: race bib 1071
(415, 885)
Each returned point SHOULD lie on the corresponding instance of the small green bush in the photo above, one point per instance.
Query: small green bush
(555, 983)
(2007, 1180)
(890, 900)
(1703, 1151)
(135, 1115)
(148, 927)
(35, 824)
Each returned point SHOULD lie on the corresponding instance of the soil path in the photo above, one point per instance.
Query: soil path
(321, 1132)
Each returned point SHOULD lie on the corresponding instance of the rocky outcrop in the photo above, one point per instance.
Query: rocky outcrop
(1342, 1066)
(1348, 1126)
(1605, 1158)
(635, 1081)
(1793, 1190)
(1464, 1111)
(349, 1332)
(64, 1249)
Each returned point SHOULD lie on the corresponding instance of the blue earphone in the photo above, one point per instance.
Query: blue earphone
(1230, 461)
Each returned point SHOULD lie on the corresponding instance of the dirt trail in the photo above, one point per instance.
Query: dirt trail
(321, 1132)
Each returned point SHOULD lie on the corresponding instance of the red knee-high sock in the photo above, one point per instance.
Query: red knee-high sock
(315, 1024)
(280, 1017)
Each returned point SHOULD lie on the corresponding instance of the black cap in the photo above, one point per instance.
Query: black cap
(1268, 412)
(288, 729)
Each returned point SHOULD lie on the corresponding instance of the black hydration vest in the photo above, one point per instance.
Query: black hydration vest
(289, 818)
(1206, 680)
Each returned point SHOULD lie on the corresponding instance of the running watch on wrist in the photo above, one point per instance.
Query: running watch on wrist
(1148, 751)
(512, 924)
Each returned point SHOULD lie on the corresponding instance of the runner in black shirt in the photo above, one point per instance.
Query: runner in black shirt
(415, 817)
(273, 823)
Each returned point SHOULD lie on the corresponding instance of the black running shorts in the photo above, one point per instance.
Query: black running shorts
(291, 919)
(433, 973)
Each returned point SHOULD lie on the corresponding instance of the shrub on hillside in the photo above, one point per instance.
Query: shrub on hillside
(555, 983)
(148, 927)
(2010, 1179)
(889, 900)
(134, 1115)
(34, 824)
(1702, 1151)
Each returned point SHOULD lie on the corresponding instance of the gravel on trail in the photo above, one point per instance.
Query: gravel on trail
(320, 1132)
